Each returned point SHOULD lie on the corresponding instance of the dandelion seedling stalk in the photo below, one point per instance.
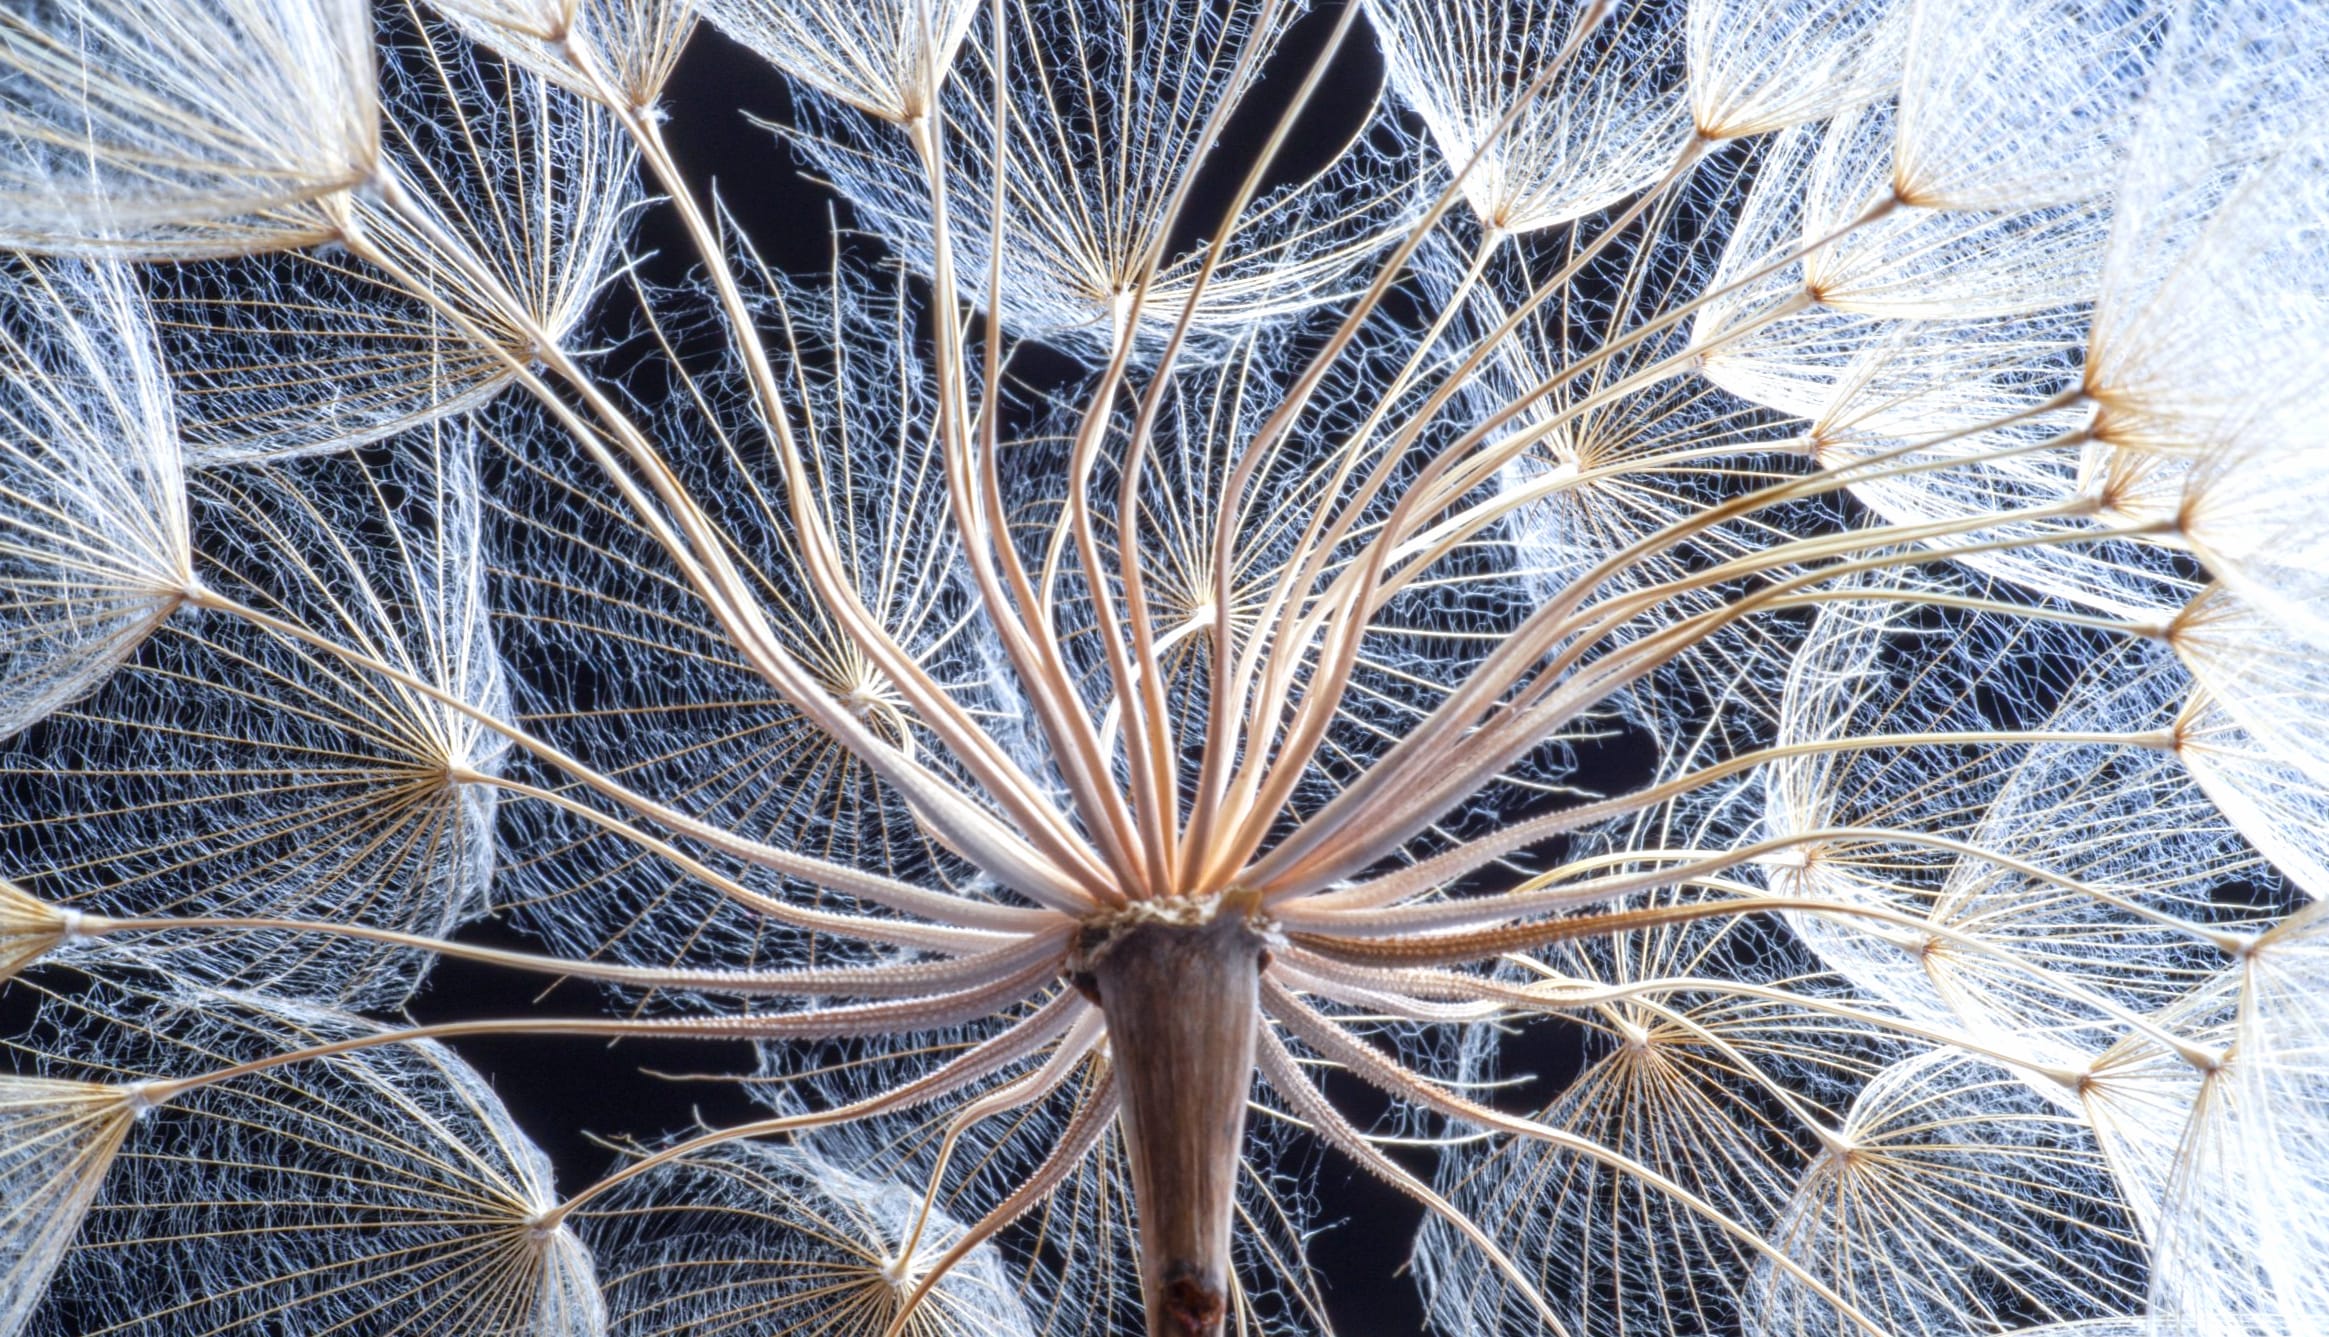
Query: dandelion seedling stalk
(1284, 548)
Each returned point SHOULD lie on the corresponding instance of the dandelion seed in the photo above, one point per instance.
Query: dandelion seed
(617, 51)
(2012, 106)
(142, 127)
(2010, 864)
(381, 1186)
(759, 766)
(2269, 797)
(2267, 679)
(93, 538)
(886, 57)
(1683, 1079)
(510, 210)
(57, 1139)
(545, 20)
(2279, 1066)
(1608, 119)
(1955, 264)
(237, 771)
(1953, 1200)
(29, 929)
(1758, 67)
(2208, 1260)
(1084, 235)
(748, 1237)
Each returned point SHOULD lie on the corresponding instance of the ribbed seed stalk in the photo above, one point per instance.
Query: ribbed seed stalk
(1182, 1001)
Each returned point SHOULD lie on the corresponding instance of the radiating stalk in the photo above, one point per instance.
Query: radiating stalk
(1182, 1000)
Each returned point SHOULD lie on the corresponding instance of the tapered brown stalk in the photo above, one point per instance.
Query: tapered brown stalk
(1182, 999)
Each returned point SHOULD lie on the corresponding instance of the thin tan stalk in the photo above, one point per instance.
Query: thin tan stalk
(1038, 1028)
(1083, 1132)
(813, 1024)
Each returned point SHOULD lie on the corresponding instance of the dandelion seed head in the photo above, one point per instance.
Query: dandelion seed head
(1689, 634)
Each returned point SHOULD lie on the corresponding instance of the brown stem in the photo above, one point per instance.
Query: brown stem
(1182, 1001)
